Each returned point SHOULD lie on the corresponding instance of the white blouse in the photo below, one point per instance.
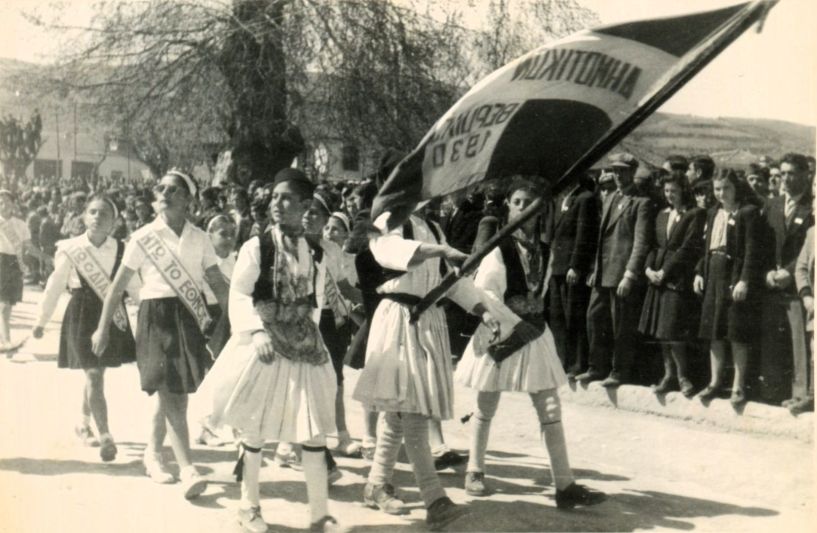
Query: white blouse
(66, 276)
(193, 248)
(394, 252)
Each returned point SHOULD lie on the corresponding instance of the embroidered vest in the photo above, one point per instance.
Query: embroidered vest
(263, 289)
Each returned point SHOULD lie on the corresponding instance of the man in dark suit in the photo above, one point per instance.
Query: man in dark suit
(618, 277)
(572, 232)
(784, 333)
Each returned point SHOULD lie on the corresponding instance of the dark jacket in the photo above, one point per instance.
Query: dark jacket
(573, 232)
(744, 246)
(678, 254)
(788, 235)
(624, 238)
(461, 229)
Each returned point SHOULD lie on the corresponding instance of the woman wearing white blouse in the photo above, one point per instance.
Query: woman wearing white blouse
(170, 346)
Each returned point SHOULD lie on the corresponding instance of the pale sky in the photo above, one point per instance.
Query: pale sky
(768, 75)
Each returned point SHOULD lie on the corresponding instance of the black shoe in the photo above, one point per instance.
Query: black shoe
(806, 405)
(612, 381)
(589, 376)
(383, 497)
(576, 494)
(790, 401)
(449, 459)
(687, 388)
(475, 484)
(573, 371)
(442, 512)
(708, 393)
(664, 386)
(738, 397)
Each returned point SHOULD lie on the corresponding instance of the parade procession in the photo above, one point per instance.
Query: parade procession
(295, 251)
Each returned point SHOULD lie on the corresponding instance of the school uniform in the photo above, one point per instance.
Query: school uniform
(784, 334)
(669, 312)
(510, 274)
(734, 252)
(85, 307)
(572, 233)
(291, 399)
(171, 350)
(13, 233)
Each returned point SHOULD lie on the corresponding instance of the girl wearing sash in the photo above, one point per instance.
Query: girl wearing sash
(515, 273)
(86, 265)
(274, 379)
(173, 259)
(13, 236)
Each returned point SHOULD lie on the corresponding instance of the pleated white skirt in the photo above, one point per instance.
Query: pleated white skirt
(533, 368)
(408, 366)
(281, 401)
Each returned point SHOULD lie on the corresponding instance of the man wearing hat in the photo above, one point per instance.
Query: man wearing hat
(13, 237)
(618, 277)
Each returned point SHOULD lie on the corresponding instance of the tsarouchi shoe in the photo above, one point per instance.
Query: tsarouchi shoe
(575, 494)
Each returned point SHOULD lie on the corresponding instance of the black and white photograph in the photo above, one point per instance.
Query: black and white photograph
(270, 266)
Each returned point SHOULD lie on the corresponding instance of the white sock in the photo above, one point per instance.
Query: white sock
(86, 421)
(249, 483)
(317, 487)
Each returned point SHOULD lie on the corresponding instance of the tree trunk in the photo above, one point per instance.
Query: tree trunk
(262, 139)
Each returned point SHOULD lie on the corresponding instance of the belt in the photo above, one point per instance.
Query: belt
(402, 298)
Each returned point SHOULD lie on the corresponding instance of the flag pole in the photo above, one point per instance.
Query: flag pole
(741, 22)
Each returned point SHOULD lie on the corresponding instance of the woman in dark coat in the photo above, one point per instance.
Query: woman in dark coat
(730, 279)
(670, 308)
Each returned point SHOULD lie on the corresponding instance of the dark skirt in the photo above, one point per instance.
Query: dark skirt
(79, 323)
(171, 351)
(669, 315)
(336, 339)
(721, 317)
(11, 279)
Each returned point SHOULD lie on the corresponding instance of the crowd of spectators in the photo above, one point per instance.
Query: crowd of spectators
(659, 276)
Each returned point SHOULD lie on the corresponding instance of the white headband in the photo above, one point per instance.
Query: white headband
(191, 185)
(343, 218)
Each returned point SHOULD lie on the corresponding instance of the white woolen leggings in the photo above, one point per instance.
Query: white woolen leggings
(549, 411)
(313, 460)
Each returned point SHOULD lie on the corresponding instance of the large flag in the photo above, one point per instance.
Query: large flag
(557, 109)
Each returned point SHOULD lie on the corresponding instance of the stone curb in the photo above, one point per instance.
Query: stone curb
(753, 417)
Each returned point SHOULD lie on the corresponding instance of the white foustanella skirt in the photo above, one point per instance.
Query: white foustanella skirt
(285, 400)
(533, 368)
(408, 366)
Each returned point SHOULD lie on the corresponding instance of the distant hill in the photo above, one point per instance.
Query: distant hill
(731, 141)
